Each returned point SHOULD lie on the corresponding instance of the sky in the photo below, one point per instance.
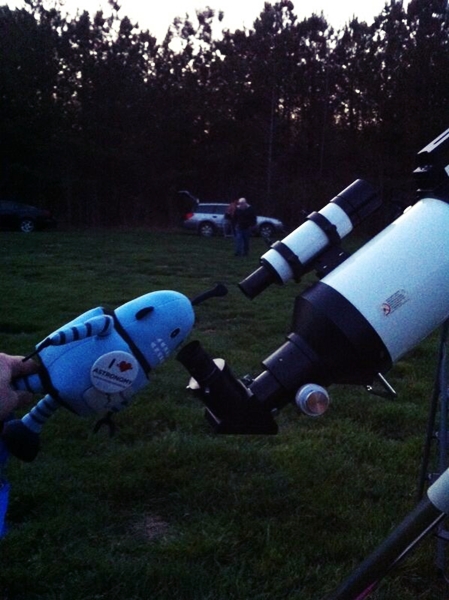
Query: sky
(158, 15)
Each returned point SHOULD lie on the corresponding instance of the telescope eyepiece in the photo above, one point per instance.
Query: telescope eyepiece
(230, 406)
(258, 281)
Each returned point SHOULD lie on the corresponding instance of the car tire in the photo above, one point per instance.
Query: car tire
(27, 225)
(266, 230)
(206, 229)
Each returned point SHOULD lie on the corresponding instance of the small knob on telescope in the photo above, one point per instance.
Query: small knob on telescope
(312, 399)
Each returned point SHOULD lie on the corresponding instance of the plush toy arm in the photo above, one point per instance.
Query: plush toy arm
(101, 325)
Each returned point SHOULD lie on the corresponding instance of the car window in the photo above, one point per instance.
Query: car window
(8, 204)
(206, 209)
(212, 209)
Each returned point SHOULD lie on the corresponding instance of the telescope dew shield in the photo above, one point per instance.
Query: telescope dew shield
(293, 257)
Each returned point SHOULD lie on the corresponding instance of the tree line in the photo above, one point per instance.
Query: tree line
(103, 124)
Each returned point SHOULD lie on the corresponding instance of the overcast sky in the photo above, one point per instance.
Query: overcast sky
(157, 15)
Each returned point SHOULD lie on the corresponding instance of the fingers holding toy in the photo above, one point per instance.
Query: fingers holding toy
(10, 368)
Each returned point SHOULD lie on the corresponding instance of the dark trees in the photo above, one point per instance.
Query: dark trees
(103, 124)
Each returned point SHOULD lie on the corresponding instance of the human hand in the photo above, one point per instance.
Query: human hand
(11, 367)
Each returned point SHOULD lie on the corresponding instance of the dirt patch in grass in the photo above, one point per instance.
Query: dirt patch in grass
(151, 527)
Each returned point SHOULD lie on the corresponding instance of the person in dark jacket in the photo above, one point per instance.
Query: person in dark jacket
(244, 221)
(229, 218)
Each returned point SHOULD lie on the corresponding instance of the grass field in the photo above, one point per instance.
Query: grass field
(165, 509)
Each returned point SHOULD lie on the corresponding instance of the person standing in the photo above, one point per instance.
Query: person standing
(244, 221)
(229, 218)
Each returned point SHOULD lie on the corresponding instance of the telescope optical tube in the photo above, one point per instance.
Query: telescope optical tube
(292, 257)
(369, 311)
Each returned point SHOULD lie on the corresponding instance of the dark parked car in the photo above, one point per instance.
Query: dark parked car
(208, 219)
(23, 217)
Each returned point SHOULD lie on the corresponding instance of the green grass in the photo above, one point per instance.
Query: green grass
(165, 509)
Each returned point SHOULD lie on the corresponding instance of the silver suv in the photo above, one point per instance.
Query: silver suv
(208, 219)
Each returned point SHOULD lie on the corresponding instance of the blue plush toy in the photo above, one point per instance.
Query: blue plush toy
(97, 362)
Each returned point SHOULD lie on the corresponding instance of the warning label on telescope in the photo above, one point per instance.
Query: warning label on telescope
(394, 302)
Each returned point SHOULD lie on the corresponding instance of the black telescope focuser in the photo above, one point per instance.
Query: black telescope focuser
(297, 253)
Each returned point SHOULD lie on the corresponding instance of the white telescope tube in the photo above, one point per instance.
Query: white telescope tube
(294, 255)
(399, 281)
(307, 241)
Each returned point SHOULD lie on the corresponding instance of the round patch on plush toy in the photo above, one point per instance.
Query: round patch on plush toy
(114, 372)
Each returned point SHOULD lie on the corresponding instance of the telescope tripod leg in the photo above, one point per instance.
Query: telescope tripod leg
(430, 513)
(438, 432)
